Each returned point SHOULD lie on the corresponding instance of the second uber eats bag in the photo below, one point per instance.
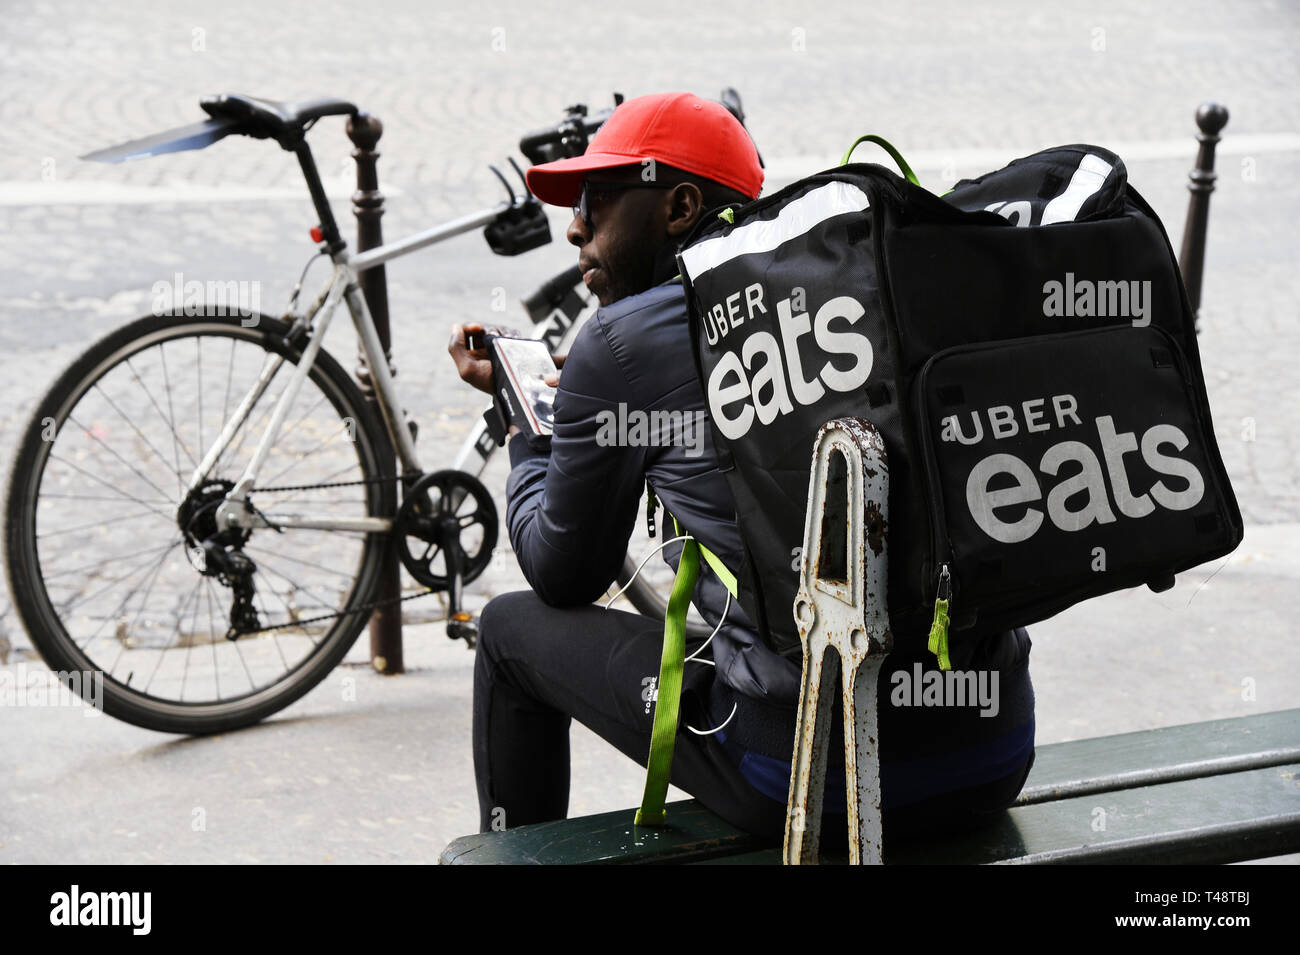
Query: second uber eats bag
(1025, 347)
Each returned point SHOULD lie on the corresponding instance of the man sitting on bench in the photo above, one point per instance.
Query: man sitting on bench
(548, 655)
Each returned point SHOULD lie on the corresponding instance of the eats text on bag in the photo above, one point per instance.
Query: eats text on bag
(735, 397)
(1088, 479)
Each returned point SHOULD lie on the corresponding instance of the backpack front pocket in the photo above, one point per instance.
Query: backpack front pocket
(1069, 465)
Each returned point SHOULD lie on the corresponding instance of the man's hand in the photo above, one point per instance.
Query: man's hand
(554, 379)
(473, 364)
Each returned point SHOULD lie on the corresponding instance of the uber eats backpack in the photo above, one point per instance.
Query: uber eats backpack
(1025, 346)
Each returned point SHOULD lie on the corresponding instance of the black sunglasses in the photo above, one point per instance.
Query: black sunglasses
(598, 187)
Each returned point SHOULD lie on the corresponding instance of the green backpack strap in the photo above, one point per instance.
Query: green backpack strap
(663, 734)
(887, 147)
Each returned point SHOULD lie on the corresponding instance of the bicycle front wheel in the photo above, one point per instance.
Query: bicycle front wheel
(103, 575)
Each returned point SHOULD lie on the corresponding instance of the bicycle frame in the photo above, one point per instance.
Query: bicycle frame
(342, 286)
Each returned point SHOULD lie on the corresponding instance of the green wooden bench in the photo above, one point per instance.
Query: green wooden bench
(1216, 792)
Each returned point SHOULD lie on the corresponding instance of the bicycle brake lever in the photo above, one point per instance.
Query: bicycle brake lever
(528, 193)
(514, 200)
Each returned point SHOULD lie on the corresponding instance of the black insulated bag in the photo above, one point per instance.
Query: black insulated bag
(1025, 346)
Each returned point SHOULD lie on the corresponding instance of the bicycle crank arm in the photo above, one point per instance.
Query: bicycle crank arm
(461, 624)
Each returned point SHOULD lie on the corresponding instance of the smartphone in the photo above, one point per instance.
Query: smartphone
(520, 368)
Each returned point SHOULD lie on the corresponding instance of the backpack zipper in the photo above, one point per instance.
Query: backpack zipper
(937, 642)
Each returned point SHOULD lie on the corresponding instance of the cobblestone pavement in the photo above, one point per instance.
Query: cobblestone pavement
(81, 244)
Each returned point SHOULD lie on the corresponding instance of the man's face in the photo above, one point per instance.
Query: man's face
(628, 228)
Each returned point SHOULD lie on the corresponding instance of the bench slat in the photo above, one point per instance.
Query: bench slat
(1167, 754)
(692, 834)
(1221, 819)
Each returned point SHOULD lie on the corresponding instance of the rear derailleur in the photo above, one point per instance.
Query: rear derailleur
(220, 554)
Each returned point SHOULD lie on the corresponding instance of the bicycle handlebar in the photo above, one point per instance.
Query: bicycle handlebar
(566, 138)
(569, 136)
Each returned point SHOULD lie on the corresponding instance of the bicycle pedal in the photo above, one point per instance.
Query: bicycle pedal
(462, 625)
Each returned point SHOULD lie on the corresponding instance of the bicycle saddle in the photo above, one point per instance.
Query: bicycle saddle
(263, 118)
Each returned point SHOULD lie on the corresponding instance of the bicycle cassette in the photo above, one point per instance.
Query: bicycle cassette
(447, 523)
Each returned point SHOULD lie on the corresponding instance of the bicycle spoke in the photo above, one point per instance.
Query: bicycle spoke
(171, 422)
(95, 497)
(99, 480)
(99, 523)
(99, 563)
(302, 456)
(265, 412)
(189, 646)
(325, 604)
(128, 464)
(148, 443)
(176, 632)
(109, 671)
(286, 432)
(216, 668)
(234, 644)
(299, 560)
(275, 634)
(65, 608)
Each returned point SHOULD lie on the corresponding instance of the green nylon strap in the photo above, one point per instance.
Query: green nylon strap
(713, 560)
(938, 642)
(887, 147)
(727, 577)
(664, 734)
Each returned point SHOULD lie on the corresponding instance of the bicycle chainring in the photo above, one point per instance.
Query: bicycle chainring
(447, 517)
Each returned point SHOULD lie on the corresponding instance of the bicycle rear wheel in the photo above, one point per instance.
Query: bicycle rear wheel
(100, 573)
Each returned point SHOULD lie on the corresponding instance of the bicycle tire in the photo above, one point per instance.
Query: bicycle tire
(31, 566)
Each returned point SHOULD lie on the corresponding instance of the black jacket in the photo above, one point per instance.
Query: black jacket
(572, 511)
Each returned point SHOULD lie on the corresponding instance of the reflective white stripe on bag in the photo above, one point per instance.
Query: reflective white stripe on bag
(1087, 179)
(795, 219)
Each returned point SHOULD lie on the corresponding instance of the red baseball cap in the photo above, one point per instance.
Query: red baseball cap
(678, 129)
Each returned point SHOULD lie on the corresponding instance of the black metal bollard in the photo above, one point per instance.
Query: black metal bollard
(368, 204)
(1210, 119)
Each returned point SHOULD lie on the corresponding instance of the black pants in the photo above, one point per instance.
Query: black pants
(538, 667)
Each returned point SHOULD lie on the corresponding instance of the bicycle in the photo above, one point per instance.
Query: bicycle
(294, 557)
